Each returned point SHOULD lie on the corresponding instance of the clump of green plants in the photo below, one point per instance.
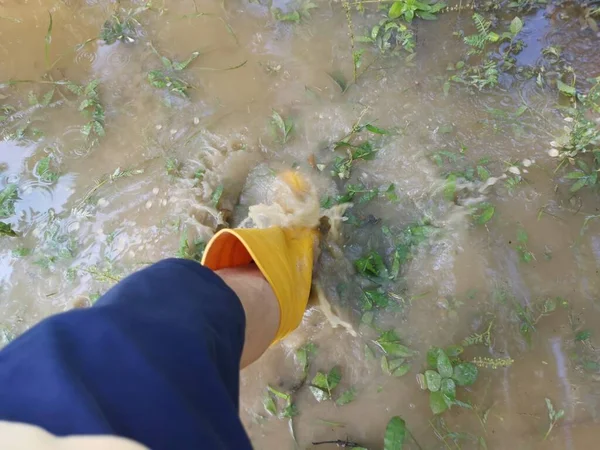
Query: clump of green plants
(91, 108)
(395, 359)
(296, 14)
(8, 197)
(442, 378)
(483, 73)
(191, 249)
(390, 35)
(272, 406)
(409, 9)
(579, 145)
(122, 26)
(44, 170)
(169, 76)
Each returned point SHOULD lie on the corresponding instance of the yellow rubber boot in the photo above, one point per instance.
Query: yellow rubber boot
(283, 255)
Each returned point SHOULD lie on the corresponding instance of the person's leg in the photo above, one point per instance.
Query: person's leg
(156, 360)
(260, 306)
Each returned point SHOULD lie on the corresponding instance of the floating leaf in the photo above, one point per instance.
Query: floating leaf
(437, 402)
(401, 370)
(566, 89)
(444, 366)
(433, 380)
(395, 434)
(346, 397)
(376, 130)
(583, 335)
(465, 374)
(516, 25)
(448, 389)
(6, 230)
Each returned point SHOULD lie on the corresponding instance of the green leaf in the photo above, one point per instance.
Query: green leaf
(333, 378)
(320, 380)
(395, 434)
(516, 25)
(485, 215)
(289, 411)
(376, 130)
(465, 374)
(578, 185)
(269, 404)
(179, 66)
(583, 335)
(432, 356)
(437, 402)
(377, 298)
(433, 379)
(566, 89)
(390, 193)
(395, 349)
(385, 365)
(575, 175)
(401, 370)
(278, 393)
(483, 173)
(6, 230)
(396, 10)
(346, 397)
(448, 389)
(371, 265)
(454, 351)
(444, 366)
(450, 187)
(216, 196)
(8, 197)
(319, 394)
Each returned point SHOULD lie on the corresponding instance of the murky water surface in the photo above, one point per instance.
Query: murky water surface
(92, 209)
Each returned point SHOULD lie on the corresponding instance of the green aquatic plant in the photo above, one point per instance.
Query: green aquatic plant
(281, 127)
(409, 9)
(390, 35)
(323, 384)
(553, 416)
(296, 14)
(169, 76)
(91, 108)
(8, 197)
(395, 434)
(44, 170)
(442, 378)
(7, 230)
(122, 26)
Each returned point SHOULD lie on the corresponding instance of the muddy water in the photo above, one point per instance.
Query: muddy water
(95, 224)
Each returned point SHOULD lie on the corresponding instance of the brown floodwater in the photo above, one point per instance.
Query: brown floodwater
(127, 201)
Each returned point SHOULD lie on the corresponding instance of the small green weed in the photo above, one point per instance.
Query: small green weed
(395, 434)
(122, 26)
(91, 108)
(323, 384)
(442, 379)
(296, 14)
(390, 35)
(44, 170)
(522, 239)
(553, 416)
(168, 78)
(270, 403)
(409, 9)
(7, 230)
(8, 197)
(281, 128)
(191, 250)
